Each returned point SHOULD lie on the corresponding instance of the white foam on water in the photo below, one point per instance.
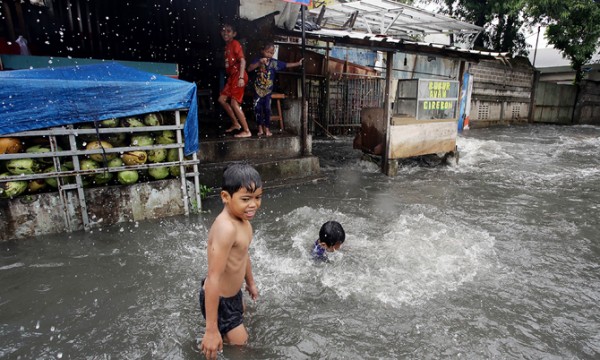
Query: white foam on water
(531, 162)
(404, 261)
(475, 152)
(48, 265)
(12, 266)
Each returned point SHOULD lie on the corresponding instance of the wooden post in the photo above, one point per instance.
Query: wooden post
(327, 90)
(304, 111)
(388, 169)
(532, 99)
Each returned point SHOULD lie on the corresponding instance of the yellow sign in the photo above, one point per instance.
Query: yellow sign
(438, 89)
(318, 3)
(437, 105)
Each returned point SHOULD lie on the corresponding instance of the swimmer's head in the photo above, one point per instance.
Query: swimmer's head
(332, 235)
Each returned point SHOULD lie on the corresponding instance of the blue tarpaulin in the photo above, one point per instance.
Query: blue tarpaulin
(41, 98)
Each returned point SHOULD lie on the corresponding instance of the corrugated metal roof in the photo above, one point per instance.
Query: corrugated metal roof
(386, 43)
(385, 17)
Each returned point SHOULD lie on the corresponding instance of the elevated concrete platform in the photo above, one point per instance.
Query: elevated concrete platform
(274, 173)
(228, 148)
(278, 158)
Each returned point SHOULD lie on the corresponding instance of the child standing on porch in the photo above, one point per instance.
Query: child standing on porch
(235, 65)
(266, 67)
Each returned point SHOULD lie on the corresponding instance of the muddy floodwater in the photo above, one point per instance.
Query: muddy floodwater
(496, 257)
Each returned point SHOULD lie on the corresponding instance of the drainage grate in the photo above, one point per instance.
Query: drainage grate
(516, 112)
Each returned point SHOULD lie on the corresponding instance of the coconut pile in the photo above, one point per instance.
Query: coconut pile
(128, 160)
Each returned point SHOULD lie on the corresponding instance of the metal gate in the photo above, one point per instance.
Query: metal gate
(554, 103)
(334, 105)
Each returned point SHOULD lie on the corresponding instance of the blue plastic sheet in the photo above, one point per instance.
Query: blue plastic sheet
(41, 98)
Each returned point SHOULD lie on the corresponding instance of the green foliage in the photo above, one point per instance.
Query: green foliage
(204, 191)
(573, 27)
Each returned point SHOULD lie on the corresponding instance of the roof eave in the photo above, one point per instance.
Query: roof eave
(383, 43)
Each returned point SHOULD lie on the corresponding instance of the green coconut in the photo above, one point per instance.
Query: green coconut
(153, 119)
(53, 182)
(116, 162)
(109, 123)
(23, 166)
(88, 164)
(68, 165)
(102, 178)
(11, 189)
(116, 139)
(131, 122)
(166, 137)
(127, 177)
(38, 149)
(157, 155)
(173, 155)
(99, 145)
(175, 171)
(159, 173)
(141, 139)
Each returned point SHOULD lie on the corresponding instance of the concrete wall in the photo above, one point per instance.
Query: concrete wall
(292, 115)
(501, 92)
(44, 213)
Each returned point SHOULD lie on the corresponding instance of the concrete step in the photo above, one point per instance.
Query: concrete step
(274, 173)
(277, 158)
(228, 148)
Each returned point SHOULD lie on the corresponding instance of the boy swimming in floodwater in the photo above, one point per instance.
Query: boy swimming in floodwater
(228, 261)
(331, 238)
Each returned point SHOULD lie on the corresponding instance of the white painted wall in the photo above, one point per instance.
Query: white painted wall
(254, 9)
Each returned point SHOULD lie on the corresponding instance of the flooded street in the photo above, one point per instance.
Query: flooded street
(496, 257)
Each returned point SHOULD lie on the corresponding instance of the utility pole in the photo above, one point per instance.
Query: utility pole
(537, 40)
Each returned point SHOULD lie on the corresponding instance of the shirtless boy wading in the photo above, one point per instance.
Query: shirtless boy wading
(228, 261)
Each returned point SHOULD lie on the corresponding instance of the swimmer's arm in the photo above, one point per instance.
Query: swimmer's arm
(250, 284)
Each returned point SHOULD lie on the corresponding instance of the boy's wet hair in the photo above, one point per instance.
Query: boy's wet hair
(237, 176)
(332, 233)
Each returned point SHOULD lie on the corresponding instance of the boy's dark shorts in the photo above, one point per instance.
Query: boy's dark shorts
(231, 311)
